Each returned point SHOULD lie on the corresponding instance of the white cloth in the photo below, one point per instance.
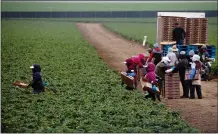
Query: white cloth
(172, 57)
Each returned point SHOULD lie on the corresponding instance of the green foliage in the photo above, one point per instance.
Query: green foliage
(90, 97)
(137, 31)
(214, 70)
(102, 6)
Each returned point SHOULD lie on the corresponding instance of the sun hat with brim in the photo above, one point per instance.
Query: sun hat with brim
(175, 49)
(31, 66)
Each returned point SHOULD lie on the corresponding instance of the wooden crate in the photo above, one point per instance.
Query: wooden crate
(128, 80)
(140, 73)
(20, 84)
(172, 86)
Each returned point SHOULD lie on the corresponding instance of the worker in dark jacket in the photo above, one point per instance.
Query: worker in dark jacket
(37, 83)
(181, 67)
(160, 69)
(189, 58)
(156, 54)
(178, 34)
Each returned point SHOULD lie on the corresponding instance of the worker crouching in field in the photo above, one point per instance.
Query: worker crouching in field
(160, 69)
(156, 54)
(181, 67)
(142, 59)
(150, 77)
(196, 84)
(37, 83)
(139, 60)
(131, 69)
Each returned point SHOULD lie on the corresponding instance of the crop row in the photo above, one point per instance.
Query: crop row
(90, 97)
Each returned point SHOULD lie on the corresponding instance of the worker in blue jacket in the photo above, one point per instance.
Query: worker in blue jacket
(37, 83)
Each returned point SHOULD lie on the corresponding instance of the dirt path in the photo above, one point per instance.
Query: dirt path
(114, 49)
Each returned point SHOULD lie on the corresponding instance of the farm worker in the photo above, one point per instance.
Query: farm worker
(181, 67)
(130, 67)
(36, 83)
(172, 57)
(142, 59)
(203, 53)
(189, 58)
(178, 34)
(156, 54)
(160, 69)
(149, 50)
(204, 58)
(139, 60)
(151, 78)
(196, 84)
(175, 50)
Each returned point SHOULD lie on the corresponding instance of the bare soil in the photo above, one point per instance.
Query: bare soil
(114, 50)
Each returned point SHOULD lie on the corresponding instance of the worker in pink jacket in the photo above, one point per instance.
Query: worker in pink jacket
(151, 78)
(139, 60)
(131, 68)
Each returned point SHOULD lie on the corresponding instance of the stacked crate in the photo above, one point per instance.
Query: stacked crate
(141, 72)
(166, 25)
(196, 31)
(172, 86)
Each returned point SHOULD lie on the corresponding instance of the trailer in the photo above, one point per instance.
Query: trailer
(195, 25)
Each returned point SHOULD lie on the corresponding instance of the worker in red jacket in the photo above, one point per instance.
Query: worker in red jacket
(130, 65)
(156, 54)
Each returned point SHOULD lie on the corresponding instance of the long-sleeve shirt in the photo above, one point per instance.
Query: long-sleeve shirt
(178, 34)
(156, 54)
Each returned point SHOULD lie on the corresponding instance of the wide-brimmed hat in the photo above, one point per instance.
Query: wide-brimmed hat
(174, 48)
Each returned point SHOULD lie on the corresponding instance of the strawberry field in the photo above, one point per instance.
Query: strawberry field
(89, 98)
